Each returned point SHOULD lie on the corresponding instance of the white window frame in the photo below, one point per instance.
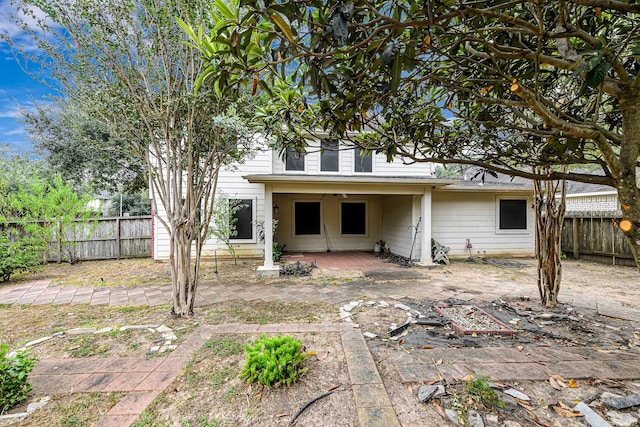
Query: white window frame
(254, 211)
(304, 164)
(320, 171)
(526, 230)
(356, 157)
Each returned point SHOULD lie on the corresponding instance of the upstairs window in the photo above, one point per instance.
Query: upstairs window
(513, 214)
(363, 160)
(294, 160)
(329, 156)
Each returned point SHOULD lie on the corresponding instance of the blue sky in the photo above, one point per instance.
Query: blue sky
(17, 89)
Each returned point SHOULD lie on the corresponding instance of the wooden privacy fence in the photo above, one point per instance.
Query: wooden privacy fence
(595, 237)
(111, 238)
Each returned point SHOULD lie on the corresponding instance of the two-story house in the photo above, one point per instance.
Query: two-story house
(337, 198)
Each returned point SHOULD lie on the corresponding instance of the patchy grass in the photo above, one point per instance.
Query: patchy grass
(223, 346)
(269, 312)
(73, 409)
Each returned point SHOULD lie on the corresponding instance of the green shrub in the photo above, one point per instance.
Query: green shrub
(479, 389)
(14, 370)
(274, 361)
(17, 254)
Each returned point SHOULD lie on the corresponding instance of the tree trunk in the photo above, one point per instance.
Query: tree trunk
(627, 183)
(549, 218)
(184, 282)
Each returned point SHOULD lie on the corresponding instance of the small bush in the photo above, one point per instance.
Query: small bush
(14, 370)
(17, 254)
(480, 391)
(297, 269)
(274, 361)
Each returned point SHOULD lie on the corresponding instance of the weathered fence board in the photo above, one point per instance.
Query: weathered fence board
(112, 238)
(598, 239)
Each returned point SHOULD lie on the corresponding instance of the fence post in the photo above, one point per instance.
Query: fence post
(576, 238)
(118, 238)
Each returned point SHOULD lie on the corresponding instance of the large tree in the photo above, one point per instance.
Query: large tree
(81, 149)
(505, 85)
(125, 64)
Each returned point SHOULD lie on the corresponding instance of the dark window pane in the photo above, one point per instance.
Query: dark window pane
(513, 214)
(362, 160)
(354, 218)
(242, 218)
(307, 218)
(329, 156)
(294, 160)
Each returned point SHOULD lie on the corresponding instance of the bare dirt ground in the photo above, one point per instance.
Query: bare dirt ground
(209, 392)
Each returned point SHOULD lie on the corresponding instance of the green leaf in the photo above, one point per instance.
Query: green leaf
(283, 23)
(595, 77)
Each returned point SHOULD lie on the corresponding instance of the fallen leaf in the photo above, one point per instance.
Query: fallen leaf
(561, 381)
(333, 387)
(568, 413)
(249, 389)
(554, 384)
(312, 353)
(474, 334)
(426, 347)
(438, 362)
(281, 415)
(400, 341)
(467, 378)
(438, 409)
(573, 384)
(520, 347)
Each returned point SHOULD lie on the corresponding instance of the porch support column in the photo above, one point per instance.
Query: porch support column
(268, 269)
(425, 241)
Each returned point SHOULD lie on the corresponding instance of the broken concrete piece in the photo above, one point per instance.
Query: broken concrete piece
(432, 322)
(103, 330)
(383, 304)
(517, 394)
(474, 419)
(452, 415)
(38, 341)
(621, 419)
(590, 416)
(492, 419)
(124, 328)
(623, 402)
(427, 392)
(58, 334)
(345, 316)
(80, 331)
(37, 405)
(170, 336)
(348, 308)
(370, 335)
(163, 328)
(402, 307)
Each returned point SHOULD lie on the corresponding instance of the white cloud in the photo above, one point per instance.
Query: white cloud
(13, 132)
(9, 29)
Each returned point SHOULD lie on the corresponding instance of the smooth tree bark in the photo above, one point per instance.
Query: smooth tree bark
(126, 64)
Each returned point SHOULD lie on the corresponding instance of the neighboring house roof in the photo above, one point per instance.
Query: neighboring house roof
(577, 189)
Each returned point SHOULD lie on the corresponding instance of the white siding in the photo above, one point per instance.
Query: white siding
(232, 185)
(380, 167)
(458, 216)
(397, 223)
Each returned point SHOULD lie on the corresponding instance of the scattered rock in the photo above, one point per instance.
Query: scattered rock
(38, 341)
(58, 334)
(624, 402)
(605, 395)
(371, 303)
(370, 335)
(492, 419)
(452, 415)
(474, 419)
(153, 350)
(170, 336)
(402, 307)
(37, 405)
(621, 419)
(590, 416)
(383, 304)
(427, 392)
(345, 315)
(124, 328)
(546, 322)
(163, 328)
(509, 423)
(517, 394)
(103, 330)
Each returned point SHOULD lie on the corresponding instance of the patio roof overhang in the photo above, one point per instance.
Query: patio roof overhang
(354, 184)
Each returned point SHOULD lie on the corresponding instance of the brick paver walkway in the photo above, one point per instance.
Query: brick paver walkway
(145, 379)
